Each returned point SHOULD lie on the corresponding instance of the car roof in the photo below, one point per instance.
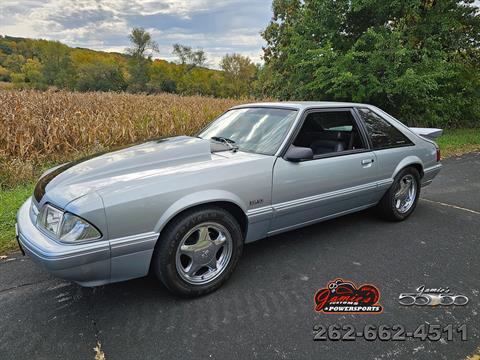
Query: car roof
(302, 105)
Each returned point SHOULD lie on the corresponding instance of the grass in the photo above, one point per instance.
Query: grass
(459, 141)
(10, 201)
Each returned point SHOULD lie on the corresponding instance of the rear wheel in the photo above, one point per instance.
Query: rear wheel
(401, 199)
(198, 251)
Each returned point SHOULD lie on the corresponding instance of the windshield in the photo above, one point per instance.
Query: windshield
(258, 130)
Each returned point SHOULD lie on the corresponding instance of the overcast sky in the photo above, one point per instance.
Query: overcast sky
(217, 26)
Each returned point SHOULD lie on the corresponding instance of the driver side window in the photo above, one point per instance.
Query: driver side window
(327, 132)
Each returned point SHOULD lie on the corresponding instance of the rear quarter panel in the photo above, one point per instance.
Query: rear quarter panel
(393, 160)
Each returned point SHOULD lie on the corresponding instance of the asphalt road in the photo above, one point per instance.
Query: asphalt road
(266, 310)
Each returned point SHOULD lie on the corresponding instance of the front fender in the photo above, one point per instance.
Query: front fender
(91, 208)
(197, 198)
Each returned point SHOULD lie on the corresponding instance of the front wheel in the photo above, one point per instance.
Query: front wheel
(400, 200)
(198, 251)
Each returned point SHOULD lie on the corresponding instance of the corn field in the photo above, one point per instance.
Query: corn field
(43, 128)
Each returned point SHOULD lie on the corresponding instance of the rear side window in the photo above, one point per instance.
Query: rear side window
(382, 133)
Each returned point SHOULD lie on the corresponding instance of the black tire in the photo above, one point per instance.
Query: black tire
(386, 207)
(164, 256)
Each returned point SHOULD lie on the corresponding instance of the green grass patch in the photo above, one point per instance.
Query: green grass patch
(459, 141)
(10, 202)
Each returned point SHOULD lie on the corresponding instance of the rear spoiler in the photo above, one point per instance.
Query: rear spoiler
(429, 133)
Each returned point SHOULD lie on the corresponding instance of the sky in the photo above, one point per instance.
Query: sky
(217, 26)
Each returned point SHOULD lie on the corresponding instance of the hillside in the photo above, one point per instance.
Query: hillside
(40, 64)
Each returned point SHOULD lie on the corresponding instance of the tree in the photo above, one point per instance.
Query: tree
(5, 48)
(57, 65)
(200, 81)
(192, 80)
(14, 62)
(418, 60)
(142, 46)
(138, 75)
(188, 57)
(100, 75)
(163, 77)
(18, 78)
(33, 72)
(4, 74)
(240, 74)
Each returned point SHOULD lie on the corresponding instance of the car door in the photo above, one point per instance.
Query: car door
(330, 184)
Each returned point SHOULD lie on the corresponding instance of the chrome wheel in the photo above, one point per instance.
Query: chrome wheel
(204, 253)
(405, 194)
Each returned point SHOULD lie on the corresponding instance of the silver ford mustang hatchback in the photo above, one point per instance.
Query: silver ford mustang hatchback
(184, 206)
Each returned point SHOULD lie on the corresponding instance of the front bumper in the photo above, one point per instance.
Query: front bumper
(87, 264)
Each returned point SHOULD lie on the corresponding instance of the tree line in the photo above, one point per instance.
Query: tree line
(417, 59)
(40, 64)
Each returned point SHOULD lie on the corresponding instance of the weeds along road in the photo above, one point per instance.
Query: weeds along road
(266, 309)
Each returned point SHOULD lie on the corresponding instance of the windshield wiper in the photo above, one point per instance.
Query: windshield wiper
(229, 142)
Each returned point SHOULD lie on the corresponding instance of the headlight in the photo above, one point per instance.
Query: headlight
(50, 219)
(65, 226)
(75, 229)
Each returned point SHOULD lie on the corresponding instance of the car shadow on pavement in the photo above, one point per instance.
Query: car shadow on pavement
(271, 252)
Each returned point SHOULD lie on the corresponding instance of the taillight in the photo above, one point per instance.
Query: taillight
(438, 154)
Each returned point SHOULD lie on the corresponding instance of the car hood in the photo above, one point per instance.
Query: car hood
(73, 180)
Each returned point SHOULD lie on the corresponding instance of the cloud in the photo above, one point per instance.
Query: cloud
(217, 26)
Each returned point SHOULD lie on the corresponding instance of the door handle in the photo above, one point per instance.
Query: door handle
(367, 161)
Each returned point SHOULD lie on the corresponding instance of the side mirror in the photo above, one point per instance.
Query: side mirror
(298, 154)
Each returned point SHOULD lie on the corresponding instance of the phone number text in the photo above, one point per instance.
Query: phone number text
(369, 332)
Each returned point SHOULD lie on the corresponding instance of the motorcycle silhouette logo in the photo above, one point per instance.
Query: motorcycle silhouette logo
(343, 297)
